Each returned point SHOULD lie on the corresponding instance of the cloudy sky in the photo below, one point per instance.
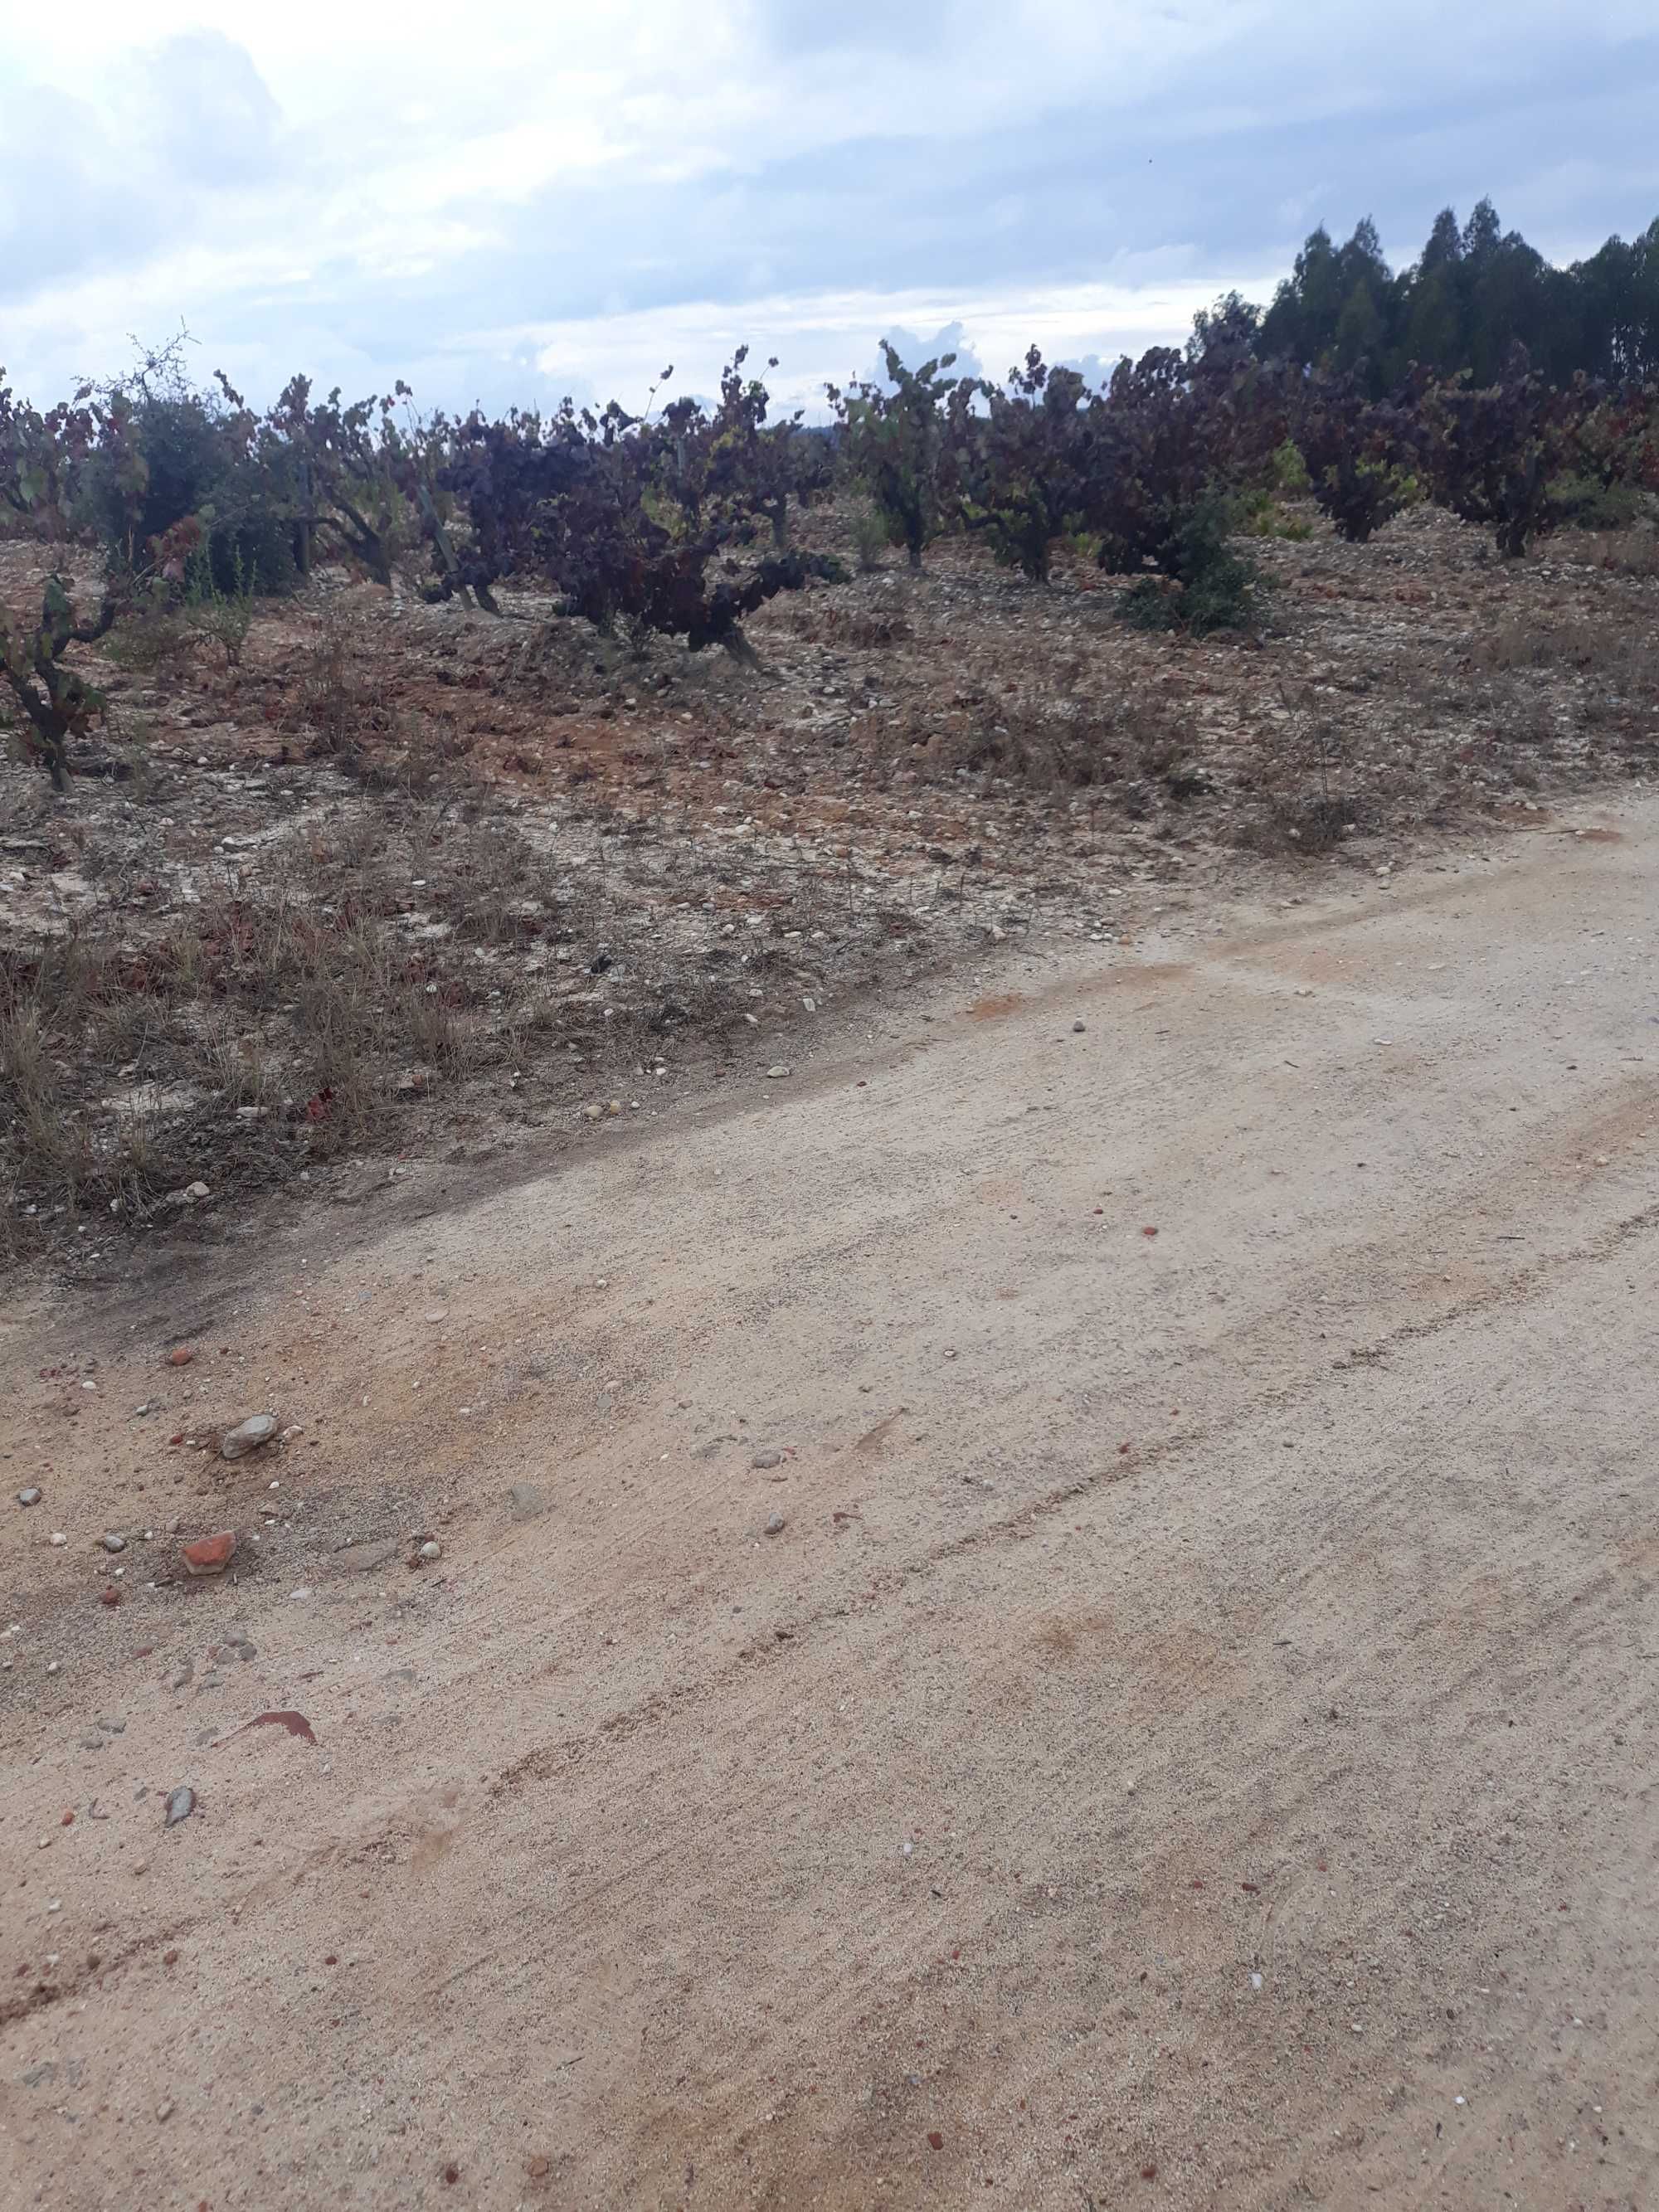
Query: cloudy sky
(535, 196)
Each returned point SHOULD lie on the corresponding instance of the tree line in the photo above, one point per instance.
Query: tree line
(1474, 292)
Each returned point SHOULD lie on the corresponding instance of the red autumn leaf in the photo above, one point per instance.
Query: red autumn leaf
(295, 1723)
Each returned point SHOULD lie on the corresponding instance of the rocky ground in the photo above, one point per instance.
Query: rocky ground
(383, 883)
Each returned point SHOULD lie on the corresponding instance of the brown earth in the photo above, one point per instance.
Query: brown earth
(402, 883)
(1191, 1741)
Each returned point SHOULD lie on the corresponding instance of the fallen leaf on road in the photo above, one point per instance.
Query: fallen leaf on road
(295, 1723)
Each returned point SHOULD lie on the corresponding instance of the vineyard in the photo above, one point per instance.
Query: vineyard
(371, 766)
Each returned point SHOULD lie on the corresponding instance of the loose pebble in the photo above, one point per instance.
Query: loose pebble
(775, 1525)
(363, 1559)
(776, 1074)
(209, 1555)
(181, 1803)
(58, 1537)
(29, 1496)
(430, 1550)
(247, 1436)
(770, 1457)
(114, 1543)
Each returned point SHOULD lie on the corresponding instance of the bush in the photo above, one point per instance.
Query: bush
(224, 617)
(869, 537)
(1204, 585)
(1290, 470)
(199, 464)
(1585, 502)
(1263, 513)
(1360, 454)
(1021, 470)
(893, 442)
(1494, 454)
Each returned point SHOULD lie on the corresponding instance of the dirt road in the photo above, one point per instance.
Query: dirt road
(1191, 1739)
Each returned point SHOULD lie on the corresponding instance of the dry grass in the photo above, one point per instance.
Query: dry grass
(407, 955)
(1516, 643)
(1301, 780)
(1060, 745)
(322, 917)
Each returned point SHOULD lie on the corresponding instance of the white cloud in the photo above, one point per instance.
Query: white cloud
(601, 187)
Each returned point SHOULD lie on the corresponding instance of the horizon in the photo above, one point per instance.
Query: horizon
(572, 202)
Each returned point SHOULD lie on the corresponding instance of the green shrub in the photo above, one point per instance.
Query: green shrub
(1261, 514)
(202, 459)
(225, 618)
(1205, 584)
(1290, 470)
(892, 440)
(1584, 502)
(869, 537)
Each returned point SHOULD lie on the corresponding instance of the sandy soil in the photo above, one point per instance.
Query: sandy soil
(1191, 1741)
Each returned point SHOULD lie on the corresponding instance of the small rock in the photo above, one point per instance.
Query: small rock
(29, 1496)
(114, 1543)
(775, 1525)
(430, 1550)
(111, 1727)
(770, 1457)
(92, 1743)
(181, 1803)
(526, 1500)
(180, 1355)
(1077, 1028)
(58, 1537)
(247, 1436)
(363, 1559)
(184, 1676)
(208, 1555)
(776, 1074)
(164, 2109)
